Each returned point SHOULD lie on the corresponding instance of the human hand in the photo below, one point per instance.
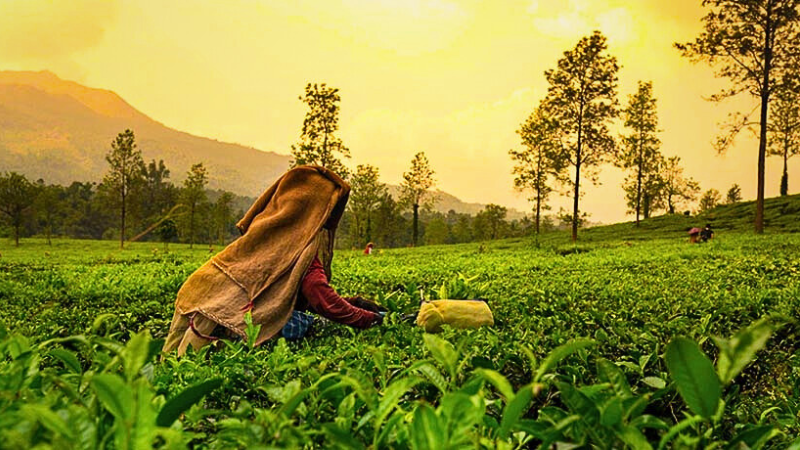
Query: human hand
(360, 302)
(378, 319)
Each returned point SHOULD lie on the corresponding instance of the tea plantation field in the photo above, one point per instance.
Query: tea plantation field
(647, 343)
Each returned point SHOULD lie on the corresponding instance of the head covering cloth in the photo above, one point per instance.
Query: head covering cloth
(288, 225)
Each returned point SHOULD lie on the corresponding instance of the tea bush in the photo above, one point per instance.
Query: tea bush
(643, 344)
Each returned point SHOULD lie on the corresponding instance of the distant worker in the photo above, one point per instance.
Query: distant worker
(707, 233)
(277, 270)
(368, 248)
(694, 235)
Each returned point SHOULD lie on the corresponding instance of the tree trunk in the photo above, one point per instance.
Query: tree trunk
(416, 221)
(762, 142)
(538, 191)
(16, 235)
(785, 175)
(670, 205)
(122, 224)
(639, 185)
(48, 226)
(369, 228)
(575, 202)
(538, 208)
(191, 228)
(577, 176)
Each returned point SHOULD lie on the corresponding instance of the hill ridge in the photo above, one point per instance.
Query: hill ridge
(60, 130)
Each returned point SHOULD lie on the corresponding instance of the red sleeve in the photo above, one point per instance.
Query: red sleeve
(323, 300)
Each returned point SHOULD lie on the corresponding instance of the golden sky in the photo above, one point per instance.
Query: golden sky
(452, 78)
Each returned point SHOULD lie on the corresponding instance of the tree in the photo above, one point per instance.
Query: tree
(124, 174)
(365, 196)
(391, 228)
(223, 216)
(462, 229)
(734, 194)
(709, 200)
(753, 43)
(436, 231)
(539, 161)
(415, 189)
(784, 130)
(16, 193)
(318, 144)
(652, 193)
(158, 194)
(85, 217)
(167, 231)
(565, 218)
(48, 206)
(647, 190)
(493, 217)
(640, 147)
(677, 188)
(582, 98)
(194, 195)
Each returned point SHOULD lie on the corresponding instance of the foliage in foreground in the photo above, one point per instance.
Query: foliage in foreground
(527, 381)
(113, 400)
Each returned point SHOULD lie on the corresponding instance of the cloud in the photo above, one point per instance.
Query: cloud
(581, 17)
(403, 27)
(36, 31)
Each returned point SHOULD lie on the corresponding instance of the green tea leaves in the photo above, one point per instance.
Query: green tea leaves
(739, 351)
(694, 376)
(177, 405)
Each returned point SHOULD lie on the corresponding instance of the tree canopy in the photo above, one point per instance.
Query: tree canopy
(582, 99)
(753, 43)
(318, 142)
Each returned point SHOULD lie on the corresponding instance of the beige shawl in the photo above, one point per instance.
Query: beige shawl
(262, 271)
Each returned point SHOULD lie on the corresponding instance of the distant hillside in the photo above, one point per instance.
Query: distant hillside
(781, 215)
(61, 131)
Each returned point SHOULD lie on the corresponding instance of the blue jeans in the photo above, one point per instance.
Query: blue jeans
(297, 326)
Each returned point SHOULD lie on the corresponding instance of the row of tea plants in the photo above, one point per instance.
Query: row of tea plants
(617, 345)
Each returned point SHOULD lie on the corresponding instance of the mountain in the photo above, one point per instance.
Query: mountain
(60, 131)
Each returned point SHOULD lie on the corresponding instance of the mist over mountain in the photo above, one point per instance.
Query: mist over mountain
(60, 131)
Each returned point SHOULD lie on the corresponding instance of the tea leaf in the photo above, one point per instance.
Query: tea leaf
(694, 376)
(177, 405)
(114, 394)
(740, 350)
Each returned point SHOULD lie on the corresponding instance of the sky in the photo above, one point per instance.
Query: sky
(452, 78)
